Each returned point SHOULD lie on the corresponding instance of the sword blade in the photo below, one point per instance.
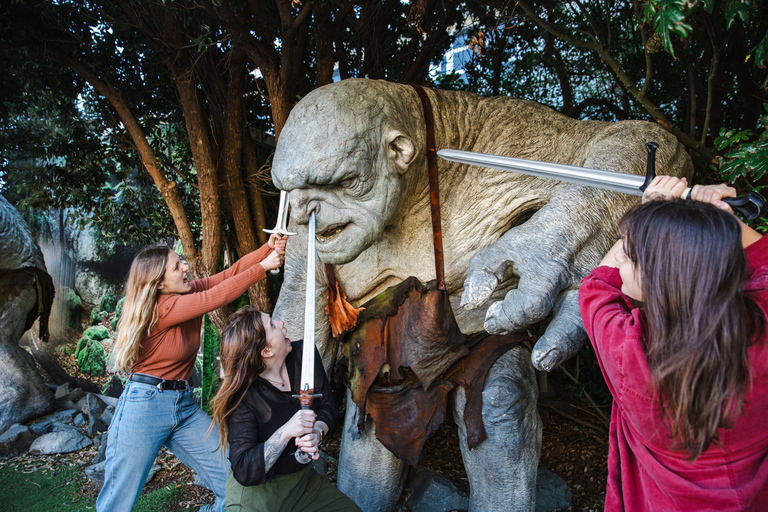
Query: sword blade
(607, 180)
(308, 355)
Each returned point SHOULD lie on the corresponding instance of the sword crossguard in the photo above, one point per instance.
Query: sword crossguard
(281, 226)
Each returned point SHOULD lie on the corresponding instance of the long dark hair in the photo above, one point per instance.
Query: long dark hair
(241, 344)
(693, 269)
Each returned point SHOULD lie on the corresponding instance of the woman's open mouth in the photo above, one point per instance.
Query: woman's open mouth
(330, 232)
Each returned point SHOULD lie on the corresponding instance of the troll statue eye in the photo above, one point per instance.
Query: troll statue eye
(348, 182)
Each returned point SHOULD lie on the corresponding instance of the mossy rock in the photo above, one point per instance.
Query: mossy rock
(91, 357)
(97, 316)
(108, 302)
(65, 350)
(96, 333)
(119, 307)
(74, 309)
(118, 312)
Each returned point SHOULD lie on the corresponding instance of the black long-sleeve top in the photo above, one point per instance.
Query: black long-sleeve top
(263, 410)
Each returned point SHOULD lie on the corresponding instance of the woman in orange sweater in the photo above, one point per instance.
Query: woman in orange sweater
(158, 340)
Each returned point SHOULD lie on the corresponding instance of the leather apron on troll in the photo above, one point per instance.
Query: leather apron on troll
(405, 351)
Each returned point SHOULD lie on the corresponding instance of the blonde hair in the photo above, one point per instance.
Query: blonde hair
(140, 307)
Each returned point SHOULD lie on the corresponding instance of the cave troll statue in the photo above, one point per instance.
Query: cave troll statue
(515, 248)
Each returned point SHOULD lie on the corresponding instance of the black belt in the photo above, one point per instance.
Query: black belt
(161, 384)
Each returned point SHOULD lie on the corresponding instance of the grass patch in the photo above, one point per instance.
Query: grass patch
(46, 490)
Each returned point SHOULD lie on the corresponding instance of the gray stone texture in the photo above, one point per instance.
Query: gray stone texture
(23, 395)
(63, 441)
(17, 439)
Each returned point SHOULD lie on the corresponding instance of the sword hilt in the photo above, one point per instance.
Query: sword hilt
(751, 205)
(306, 397)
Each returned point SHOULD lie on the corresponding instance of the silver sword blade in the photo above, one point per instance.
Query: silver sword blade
(607, 180)
(308, 355)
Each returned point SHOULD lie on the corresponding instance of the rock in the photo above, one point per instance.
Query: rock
(96, 333)
(91, 286)
(44, 425)
(62, 391)
(59, 426)
(432, 492)
(108, 302)
(552, 492)
(113, 388)
(63, 441)
(79, 420)
(91, 357)
(106, 416)
(74, 309)
(100, 440)
(98, 316)
(119, 307)
(100, 454)
(108, 400)
(82, 405)
(75, 395)
(96, 473)
(16, 440)
(23, 394)
(95, 408)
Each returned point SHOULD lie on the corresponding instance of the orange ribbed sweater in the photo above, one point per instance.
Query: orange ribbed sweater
(170, 349)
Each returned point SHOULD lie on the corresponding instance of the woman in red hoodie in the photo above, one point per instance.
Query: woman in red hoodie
(676, 313)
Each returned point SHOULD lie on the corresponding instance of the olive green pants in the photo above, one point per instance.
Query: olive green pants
(302, 491)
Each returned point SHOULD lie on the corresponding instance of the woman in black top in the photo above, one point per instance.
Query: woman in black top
(264, 424)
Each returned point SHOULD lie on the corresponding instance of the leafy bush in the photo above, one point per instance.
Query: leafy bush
(211, 346)
(744, 160)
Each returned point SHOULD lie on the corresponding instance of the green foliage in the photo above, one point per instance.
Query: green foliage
(211, 348)
(96, 333)
(108, 302)
(744, 160)
(91, 357)
(673, 17)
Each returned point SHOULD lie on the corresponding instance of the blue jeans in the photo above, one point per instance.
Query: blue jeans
(145, 419)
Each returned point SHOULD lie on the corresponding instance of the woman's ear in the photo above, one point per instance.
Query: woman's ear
(266, 353)
(160, 287)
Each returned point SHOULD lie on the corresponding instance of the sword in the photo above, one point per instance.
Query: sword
(751, 205)
(281, 226)
(307, 387)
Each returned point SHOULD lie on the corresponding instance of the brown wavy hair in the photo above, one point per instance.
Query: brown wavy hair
(243, 340)
(140, 307)
(693, 269)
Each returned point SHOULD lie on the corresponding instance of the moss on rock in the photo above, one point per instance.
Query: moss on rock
(91, 357)
(96, 333)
